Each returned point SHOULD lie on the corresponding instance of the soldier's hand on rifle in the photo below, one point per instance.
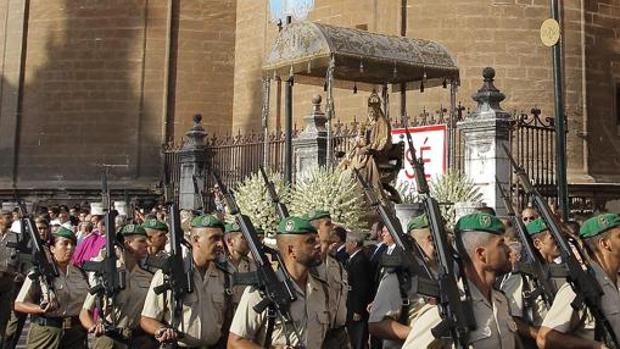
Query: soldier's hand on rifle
(165, 334)
(49, 306)
(97, 329)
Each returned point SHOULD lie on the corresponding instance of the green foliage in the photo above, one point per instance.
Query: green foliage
(329, 189)
(254, 200)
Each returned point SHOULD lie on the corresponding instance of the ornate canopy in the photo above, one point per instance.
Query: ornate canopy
(306, 48)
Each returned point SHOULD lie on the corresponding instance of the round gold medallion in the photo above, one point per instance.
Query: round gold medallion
(550, 32)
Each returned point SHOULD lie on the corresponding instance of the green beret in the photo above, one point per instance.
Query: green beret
(207, 221)
(295, 225)
(480, 222)
(153, 223)
(598, 225)
(317, 214)
(231, 228)
(132, 229)
(418, 222)
(536, 226)
(64, 233)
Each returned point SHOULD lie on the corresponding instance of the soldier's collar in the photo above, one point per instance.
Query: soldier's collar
(316, 273)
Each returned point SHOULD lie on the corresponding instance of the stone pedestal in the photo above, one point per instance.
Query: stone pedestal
(485, 130)
(310, 146)
(192, 159)
(405, 212)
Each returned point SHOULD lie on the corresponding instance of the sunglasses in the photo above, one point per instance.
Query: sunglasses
(528, 219)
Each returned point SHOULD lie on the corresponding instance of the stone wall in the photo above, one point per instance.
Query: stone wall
(602, 38)
(88, 84)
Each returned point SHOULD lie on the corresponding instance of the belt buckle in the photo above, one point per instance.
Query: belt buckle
(66, 323)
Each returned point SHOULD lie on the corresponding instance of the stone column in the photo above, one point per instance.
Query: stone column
(485, 130)
(310, 147)
(192, 159)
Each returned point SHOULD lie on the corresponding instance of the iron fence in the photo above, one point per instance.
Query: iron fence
(236, 157)
(533, 144)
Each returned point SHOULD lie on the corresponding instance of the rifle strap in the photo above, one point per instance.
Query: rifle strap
(404, 284)
(271, 321)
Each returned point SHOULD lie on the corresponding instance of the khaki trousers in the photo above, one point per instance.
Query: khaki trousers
(48, 337)
(142, 341)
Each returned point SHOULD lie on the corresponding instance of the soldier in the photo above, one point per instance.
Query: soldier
(297, 242)
(569, 328)
(485, 253)
(16, 323)
(129, 302)
(54, 320)
(8, 270)
(336, 276)
(393, 310)
(156, 231)
(204, 309)
(237, 251)
(529, 311)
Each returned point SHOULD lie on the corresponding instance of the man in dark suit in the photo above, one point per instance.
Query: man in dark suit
(360, 291)
(337, 247)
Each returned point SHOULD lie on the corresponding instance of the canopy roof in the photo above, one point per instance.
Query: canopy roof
(305, 49)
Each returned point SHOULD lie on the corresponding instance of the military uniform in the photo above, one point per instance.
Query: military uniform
(128, 305)
(153, 223)
(562, 317)
(59, 328)
(203, 310)
(388, 302)
(309, 312)
(518, 287)
(8, 272)
(495, 328)
(246, 265)
(337, 293)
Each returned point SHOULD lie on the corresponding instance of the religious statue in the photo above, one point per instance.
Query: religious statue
(373, 154)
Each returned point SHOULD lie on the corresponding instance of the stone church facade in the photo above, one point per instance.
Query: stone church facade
(91, 83)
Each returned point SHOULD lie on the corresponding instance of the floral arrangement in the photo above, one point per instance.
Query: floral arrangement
(254, 200)
(329, 188)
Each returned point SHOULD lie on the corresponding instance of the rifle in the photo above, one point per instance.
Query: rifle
(199, 193)
(587, 289)
(411, 257)
(275, 288)
(271, 189)
(30, 243)
(110, 280)
(457, 314)
(532, 264)
(178, 280)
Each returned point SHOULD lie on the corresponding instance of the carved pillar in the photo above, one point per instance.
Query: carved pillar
(310, 146)
(192, 159)
(485, 130)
